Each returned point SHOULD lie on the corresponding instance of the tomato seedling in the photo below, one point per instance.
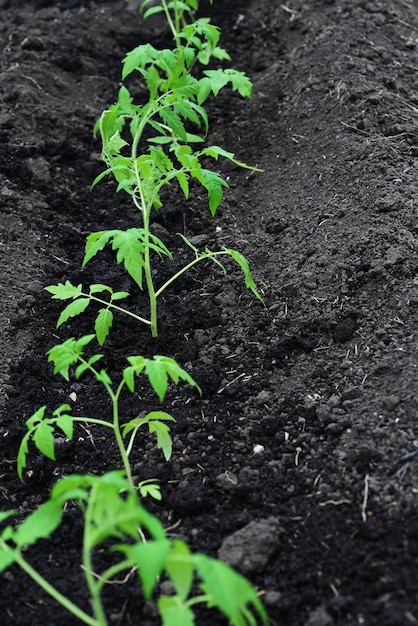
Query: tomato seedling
(115, 520)
(159, 370)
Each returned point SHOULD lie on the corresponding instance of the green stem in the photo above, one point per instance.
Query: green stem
(117, 431)
(55, 594)
(174, 28)
(88, 565)
(145, 208)
(93, 420)
(186, 269)
(111, 573)
(118, 308)
(115, 425)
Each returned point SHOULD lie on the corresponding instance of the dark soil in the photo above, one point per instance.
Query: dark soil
(306, 433)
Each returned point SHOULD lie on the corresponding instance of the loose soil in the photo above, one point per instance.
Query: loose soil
(306, 436)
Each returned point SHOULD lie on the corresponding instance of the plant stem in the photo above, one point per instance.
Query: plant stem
(88, 565)
(173, 28)
(115, 425)
(186, 269)
(116, 429)
(118, 308)
(145, 208)
(54, 593)
(111, 573)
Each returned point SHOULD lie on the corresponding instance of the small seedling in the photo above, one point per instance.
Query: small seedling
(159, 370)
(116, 521)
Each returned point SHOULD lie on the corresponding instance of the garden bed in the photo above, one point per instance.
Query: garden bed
(305, 436)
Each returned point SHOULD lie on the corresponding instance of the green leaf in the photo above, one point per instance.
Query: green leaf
(120, 295)
(164, 441)
(43, 437)
(103, 324)
(99, 288)
(230, 592)
(183, 182)
(157, 376)
(240, 83)
(87, 364)
(216, 151)
(73, 309)
(64, 291)
(174, 122)
(5, 514)
(218, 79)
(150, 560)
(129, 378)
(96, 242)
(66, 354)
(152, 11)
(66, 423)
(180, 568)
(24, 444)
(103, 377)
(130, 252)
(213, 182)
(40, 524)
(243, 263)
(175, 372)
(150, 488)
(204, 90)
(174, 612)
(7, 557)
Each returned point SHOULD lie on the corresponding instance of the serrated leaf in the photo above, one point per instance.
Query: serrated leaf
(130, 251)
(174, 122)
(96, 242)
(64, 291)
(164, 441)
(217, 80)
(240, 83)
(183, 182)
(103, 325)
(213, 183)
(73, 309)
(85, 366)
(216, 151)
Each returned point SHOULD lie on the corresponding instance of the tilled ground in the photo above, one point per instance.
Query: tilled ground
(305, 439)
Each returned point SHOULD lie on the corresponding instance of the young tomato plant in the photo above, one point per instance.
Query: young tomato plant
(143, 168)
(159, 370)
(115, 520)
